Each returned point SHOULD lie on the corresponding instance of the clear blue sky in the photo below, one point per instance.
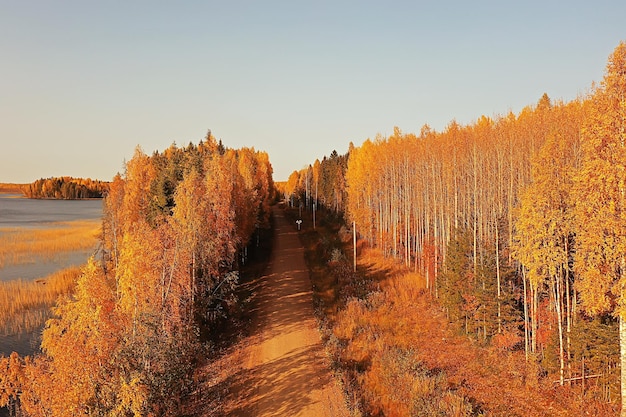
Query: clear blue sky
(82, 82)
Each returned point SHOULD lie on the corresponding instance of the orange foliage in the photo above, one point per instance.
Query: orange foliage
(404, 358)
(125, 342)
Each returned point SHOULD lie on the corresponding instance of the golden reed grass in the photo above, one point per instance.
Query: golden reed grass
(26, 305)
(22, 246)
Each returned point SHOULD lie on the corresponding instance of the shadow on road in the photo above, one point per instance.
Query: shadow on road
(280, 368)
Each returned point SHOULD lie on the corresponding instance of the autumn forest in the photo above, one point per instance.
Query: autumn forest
(125, 342)
(513, 222)
(486, 275)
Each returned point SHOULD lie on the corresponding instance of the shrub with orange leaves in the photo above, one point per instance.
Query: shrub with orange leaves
(398, 356)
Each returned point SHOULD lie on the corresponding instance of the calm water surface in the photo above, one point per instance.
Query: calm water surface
(23, 213)
(27, 213)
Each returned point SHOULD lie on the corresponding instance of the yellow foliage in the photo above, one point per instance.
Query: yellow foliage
(133, 398)
(124, 342)
(600, 193)
(11, 375)
(78, 345)
(138, 273)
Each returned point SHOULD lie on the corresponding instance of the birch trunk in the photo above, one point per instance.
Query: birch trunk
(526, 321)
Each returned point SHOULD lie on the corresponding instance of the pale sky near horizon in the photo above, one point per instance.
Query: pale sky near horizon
(82, 83)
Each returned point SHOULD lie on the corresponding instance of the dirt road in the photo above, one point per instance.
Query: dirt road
(281, 369)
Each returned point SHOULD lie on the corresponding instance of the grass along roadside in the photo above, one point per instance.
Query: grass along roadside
(26, 305)
(20, 246)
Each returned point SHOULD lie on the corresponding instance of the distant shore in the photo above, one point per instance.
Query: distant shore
(9, 188)
(17, 192)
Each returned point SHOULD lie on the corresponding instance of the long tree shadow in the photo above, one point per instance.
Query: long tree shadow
(280, 304)
(279, 387)
(283, 297)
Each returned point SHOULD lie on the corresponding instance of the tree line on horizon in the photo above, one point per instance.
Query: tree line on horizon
(517, 224)
(174, 232)
(322, 183)
(65, 188)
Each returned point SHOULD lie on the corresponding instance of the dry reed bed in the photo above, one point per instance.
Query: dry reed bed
(20, 246)
(26, 305)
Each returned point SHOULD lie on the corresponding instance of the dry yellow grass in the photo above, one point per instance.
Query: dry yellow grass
(383, 267)
(20, 246)
(25, 305)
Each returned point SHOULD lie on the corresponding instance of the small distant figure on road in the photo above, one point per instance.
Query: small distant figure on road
(299, 222)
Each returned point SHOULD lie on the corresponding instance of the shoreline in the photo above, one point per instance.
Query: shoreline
(14, 194)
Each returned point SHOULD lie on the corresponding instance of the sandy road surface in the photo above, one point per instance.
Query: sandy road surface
(281, 369)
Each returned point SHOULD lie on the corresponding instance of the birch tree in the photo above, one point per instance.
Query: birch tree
(544, 231)
(601, 203)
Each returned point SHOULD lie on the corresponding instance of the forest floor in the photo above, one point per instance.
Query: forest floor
(280, 368)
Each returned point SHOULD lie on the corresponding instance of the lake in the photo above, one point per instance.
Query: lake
(22, 213)
(17, 212)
